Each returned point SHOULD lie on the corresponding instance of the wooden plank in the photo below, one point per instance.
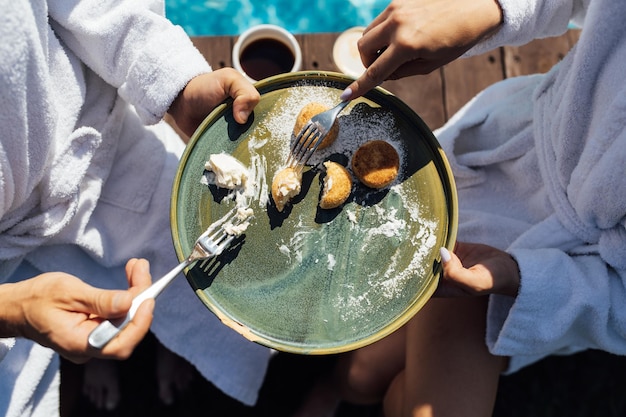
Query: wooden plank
(317, 51)
(539, 55)
(423, 94)
(216, 49)
(466, 77)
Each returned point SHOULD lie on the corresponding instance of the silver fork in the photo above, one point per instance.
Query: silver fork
(210, 244)
(311, 135)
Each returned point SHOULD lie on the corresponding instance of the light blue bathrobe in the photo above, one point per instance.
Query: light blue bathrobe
(540, 164)
(85, 184)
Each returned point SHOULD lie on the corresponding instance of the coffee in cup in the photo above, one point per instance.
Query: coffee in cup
(266, 50)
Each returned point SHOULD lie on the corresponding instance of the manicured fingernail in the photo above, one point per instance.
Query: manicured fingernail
(445, 255)
(347, 93)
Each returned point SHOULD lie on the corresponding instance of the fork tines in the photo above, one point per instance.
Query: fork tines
(218, 236)
(305, 145)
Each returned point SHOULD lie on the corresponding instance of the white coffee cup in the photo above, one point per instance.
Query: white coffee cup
(266, 50)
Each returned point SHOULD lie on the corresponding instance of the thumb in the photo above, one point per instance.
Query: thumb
(453, 268)
(242, 108)
(108, 303)
(450, 261)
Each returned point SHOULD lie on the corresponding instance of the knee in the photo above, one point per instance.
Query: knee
(361, 383)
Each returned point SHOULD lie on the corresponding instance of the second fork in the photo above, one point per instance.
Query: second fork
(209, 244)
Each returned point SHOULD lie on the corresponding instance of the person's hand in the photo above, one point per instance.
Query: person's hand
(59, 310)
(418, 36)
(205, 92)
(476, 269)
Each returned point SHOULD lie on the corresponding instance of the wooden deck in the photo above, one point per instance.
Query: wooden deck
(436, 96)
(581, 385)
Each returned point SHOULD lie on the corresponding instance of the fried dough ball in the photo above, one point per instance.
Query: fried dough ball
(306, 113)
(376, 164)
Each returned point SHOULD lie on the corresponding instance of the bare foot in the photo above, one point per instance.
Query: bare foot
(174, 374)
(101, 384)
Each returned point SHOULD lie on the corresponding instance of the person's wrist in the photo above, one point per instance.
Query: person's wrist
(176, 108)
(11, 310)
(513, 283)
(498, 16)
(493, 17)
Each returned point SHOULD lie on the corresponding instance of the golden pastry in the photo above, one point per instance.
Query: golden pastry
(337, 186)
(376, 164)
(286, 184)
(306, 113)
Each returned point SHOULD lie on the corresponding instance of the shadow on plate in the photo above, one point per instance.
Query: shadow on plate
(206, 271)
(277, 218)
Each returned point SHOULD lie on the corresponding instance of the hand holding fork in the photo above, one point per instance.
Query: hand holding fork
(211, 243)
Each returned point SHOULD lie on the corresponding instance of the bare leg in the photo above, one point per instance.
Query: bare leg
(101, 384)
(360, 377)
(365, 374)
(174, 374)
(449, 371)
(322, 400)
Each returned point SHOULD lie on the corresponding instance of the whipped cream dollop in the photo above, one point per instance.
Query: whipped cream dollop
(225, 171)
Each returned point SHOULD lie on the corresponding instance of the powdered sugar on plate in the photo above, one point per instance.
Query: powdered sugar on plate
(385, 226)
(357, 123)
(379, 225)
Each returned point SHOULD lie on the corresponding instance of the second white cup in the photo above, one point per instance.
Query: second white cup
(266, 50)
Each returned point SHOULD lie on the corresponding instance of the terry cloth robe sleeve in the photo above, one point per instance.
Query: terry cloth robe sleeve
(525, 20)
(539, 166)
(85, 185)
(572, 294)
(68, 68)
(135, 50)
(5, 345)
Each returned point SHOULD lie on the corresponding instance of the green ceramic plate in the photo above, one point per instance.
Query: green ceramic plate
(310, 280)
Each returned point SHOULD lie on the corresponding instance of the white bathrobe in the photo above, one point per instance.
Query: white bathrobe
(85, 185)
(540, 165)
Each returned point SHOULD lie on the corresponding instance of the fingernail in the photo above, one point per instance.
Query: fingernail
(145, 266)
(244, 114)
(347, 93)
(445, 255)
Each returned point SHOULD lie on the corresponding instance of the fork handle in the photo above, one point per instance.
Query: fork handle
(108, 329)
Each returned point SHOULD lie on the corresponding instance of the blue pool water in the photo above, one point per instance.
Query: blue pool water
(231, 17)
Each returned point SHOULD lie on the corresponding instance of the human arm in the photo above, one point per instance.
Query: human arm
(554, 301)
(150, 61)
(566, 302)
(59, 310)
(417, 36)
(206, 91)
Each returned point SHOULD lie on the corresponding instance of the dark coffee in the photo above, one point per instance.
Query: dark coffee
(263, 58)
